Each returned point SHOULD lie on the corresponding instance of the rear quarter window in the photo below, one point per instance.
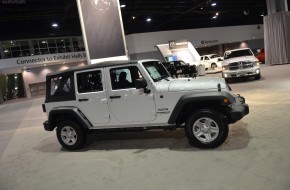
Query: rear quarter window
(60, 88)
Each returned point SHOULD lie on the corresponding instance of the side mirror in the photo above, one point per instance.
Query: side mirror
(142, 83)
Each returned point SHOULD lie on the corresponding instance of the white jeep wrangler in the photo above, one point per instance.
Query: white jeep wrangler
(138, 95)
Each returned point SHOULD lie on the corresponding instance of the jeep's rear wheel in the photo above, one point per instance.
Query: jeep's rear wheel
(206, 129)
(70, 135)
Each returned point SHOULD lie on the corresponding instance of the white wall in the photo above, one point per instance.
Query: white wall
(145, 42)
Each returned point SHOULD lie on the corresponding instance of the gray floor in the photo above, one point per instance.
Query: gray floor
(255, 156)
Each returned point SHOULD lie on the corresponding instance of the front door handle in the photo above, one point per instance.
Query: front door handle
(83, 100)
(115, 97)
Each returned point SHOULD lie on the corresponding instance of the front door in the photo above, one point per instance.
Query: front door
(91, 97)
(127, 103)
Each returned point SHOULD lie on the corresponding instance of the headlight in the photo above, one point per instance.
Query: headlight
(256, 63)
(225, 67)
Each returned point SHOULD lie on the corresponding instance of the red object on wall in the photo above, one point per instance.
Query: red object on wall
(261, 55)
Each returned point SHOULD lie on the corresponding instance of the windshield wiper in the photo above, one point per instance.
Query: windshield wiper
(163, 77)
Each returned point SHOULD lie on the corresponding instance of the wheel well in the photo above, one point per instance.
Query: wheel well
(57, 118)
(194, 106)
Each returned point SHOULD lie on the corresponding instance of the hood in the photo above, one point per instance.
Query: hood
(237, 59)
(192, 84)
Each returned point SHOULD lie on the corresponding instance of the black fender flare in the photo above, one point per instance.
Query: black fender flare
(199, 97)
(72, 111)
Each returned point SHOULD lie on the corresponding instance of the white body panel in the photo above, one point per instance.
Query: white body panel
(96, 106)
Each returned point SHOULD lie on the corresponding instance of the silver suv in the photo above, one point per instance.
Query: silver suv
(240, 63)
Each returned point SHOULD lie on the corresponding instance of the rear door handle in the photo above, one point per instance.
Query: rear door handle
(115, 97)
(83, 100)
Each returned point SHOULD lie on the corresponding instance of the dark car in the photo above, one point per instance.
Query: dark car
(180, 69)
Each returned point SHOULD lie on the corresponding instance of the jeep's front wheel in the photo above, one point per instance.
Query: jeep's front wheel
(206, 129)
(70, 135)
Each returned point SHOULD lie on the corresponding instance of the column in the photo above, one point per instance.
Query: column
(276, 33)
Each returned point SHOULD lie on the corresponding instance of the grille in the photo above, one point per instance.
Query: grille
(241, 65)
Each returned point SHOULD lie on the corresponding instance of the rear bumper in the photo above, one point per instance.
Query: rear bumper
(47, 126)
(239, 109)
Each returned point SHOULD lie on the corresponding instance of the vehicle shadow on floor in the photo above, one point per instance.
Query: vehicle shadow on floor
(173, 140)
(244, 80)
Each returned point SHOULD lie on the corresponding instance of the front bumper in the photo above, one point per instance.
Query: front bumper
(47, 126)
(238, 110)
(241, 73)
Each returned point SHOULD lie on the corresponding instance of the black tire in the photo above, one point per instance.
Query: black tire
(213, 66)
(209, 135)
(70, 135)
(257, 77)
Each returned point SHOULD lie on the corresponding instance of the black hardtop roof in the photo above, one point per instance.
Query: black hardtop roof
(93, 66)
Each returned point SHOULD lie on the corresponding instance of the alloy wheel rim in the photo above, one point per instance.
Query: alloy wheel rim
(68, 135)
(205, 129)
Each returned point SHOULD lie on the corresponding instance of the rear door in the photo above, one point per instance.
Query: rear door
(91, 96)
(128, 104)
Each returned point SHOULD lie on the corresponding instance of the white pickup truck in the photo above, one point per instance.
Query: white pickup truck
(240, 63)
(211, 61)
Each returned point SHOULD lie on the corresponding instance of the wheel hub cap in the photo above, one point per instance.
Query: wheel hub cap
(205, 129)
(68, 135)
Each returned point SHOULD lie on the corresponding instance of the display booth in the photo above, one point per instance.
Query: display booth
(183, 50)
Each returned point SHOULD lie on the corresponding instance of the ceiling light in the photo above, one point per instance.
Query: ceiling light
(44, 42)
(133, 17)
(213, 4)
(214, 17)
(55, 25)
(6, 51)
(262, 14)
(217, 14)
(122, 6)
(148, 19)
(201, 8)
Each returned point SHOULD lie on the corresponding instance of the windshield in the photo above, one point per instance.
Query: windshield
(156, 70)
(239, 53)
(214, 56)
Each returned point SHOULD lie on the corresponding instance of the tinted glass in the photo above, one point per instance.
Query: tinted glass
(89, 82)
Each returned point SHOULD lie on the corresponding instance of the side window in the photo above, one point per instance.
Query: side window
(122, 78)
(201, 58)
(60, 86)
(206, 58)
(89, 82)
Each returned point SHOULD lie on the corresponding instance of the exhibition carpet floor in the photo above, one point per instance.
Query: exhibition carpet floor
(255, 156)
